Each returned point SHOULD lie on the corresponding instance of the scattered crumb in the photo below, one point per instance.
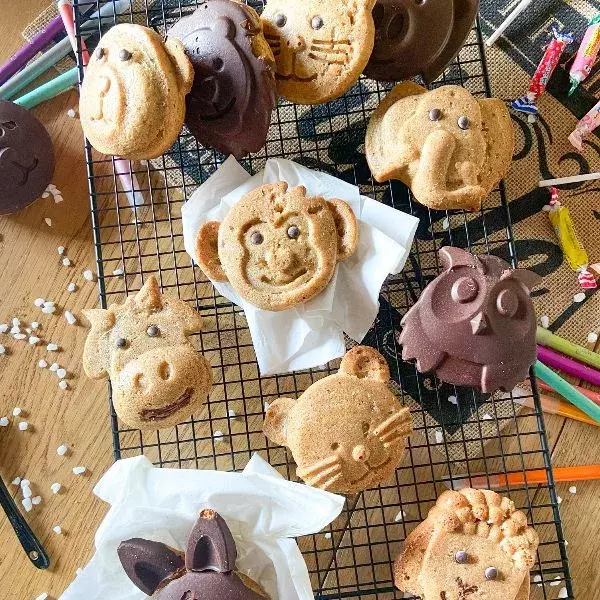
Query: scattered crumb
(400, 517)
(537, 579)
(439, 437)
(20, 336)
(453, 400)
(231, 413)
(558, 499)
(14, 330)
(34, 339)
(61, 373)
(556, 581)
(562, 593)
(39, 302)
(62, 449)
(26, 491)
(3, 327)
(36, 500)
(78, 571)
(42, 364)
(328, 535)
(16, 322)
(218, 436)
(487, 417)
(70, 317)
(2, 349)
(267, 406)
(16, 481)
(17, 411)
(118, 272)
(66, 261)
(71, 113)
(579, 297)
(88, 275)
(592, 337)
(545, 321)
(27, 504)
(63, 385)
(43, 596)
(72, 287)
(55, 487)
(4, 422)
(79, 470)
(48, 310)
(446, 223)
(566, 543)
(57, 529)
(54, 367)
(25, 483)
(573, 489)
(61, 250)
(23, 426)
(34, 325)
(48, 221)
(52, 347)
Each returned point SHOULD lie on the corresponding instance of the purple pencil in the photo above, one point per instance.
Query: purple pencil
(18, 60)
(568, 365)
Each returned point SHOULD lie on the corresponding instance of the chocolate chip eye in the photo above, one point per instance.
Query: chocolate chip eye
(121, 343)
(435, 114)
(218, 64)
(10, 125)
(335, 446)
(317, 22)
(461, 557)
(153, 331)
(293, 232)
(465, 289)
(507, 303)
(280, 20)
(257, 238)
(125, 55)
(491, 573)
(463, 122)
(99, 52)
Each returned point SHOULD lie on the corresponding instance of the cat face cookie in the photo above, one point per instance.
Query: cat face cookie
(473, 545)
(321, 46)
(278, 247)
(230, 105)
(347, 431)
(133, 95)
(449, 147)
(158, 379)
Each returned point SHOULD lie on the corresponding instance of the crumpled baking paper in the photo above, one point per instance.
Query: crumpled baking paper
(310, 334)
(263, 510)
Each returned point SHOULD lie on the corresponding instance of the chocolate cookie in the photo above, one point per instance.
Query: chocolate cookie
(278, 247)
(347, 431)
(132, 100)
(26, 158)
(233, 96)
(418, 38)
(475, 324)
(158, 379)
(205, 572)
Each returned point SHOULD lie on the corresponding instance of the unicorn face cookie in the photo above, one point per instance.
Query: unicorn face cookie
(278, 247)
(321, 46)
(347, 431)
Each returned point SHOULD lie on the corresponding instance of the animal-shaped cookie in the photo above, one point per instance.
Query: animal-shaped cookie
(449, 147)
(473, 545)
(234, 93)
(475, 324)
(132, 100)
(321, 46)
(205, 572)
(418, 38)
(158, 379)
(26, 158)
(347, 431)
(277, 247)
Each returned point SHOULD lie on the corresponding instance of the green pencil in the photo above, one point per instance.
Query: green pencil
(547, 338)
(50, 89)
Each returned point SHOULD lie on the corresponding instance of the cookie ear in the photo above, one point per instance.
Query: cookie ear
(528, 278)
(365, 362)
(347, 228)
(207, 251)
(183, 67)
(452, 257)
(357, 5)
(275, 420)
(94, 355)
(188, 317)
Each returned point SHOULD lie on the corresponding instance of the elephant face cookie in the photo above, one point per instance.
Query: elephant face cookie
(347, 431)
(321, 46)
(473, 545)
(26, 158)
(278, 247)
(133, 94)
(474, 324)
(158, 379)
(230, 105)
(205, 572)
(450, 148)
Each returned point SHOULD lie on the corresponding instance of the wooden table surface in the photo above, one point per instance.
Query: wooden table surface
(30, 267)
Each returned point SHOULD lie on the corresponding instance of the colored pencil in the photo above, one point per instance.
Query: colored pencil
(593, 396)
(508, 21)
(65, 9)
(50, 89)
(564, 388)
(568, 365)
(129, 181)
(551, 340)
(567, 180)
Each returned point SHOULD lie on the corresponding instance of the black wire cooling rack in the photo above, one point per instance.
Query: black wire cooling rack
(458, 433)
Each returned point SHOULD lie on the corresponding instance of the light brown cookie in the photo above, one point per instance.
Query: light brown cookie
(473, 545)
(321, 46)
(132, 100)
(347, 431)
(158, 379)
(277, 247)
(449, 147)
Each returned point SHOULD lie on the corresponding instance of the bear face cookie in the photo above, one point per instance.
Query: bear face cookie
(475, 324)
(133, 95)
(347, 431)
(229, 107)
(449, 147)
(158, 379)
(26, 158)
(277, 247)
(321, 46)
(205, 572)
(473, 545)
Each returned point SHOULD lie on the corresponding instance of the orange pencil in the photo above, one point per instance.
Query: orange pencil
(593, 396)
(556, 406)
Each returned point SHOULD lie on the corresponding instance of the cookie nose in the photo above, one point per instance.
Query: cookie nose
(296, 43)
(281, 259)
(360, 453)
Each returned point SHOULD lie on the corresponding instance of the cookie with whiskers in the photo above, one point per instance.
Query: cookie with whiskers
(347, 431)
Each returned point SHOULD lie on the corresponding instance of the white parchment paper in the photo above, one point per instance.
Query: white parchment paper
(311, 334)
(263, 510)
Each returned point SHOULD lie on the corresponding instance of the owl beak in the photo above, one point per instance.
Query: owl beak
(479, 324)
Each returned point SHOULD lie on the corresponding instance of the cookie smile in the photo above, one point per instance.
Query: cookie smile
(285, 280)
(219, 112)
(157, 414)
(25, 170)
(294, 77)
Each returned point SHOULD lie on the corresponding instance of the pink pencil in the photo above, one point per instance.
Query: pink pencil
(65, 9)
(568, 365)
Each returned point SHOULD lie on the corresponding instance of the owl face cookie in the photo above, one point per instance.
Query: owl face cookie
(449, 147)
(347, 431)
(133, 95)
(158, 379)
(473, 545)
(475, 324)
(277, 247)
(321, 46)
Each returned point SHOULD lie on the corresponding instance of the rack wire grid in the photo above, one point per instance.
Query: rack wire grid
(458, 433)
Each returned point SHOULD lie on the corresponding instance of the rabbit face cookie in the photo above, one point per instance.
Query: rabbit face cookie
(158, 379)
(347, 431)
(133, 94)
(321, 46)
(449, 147)
(277, 247)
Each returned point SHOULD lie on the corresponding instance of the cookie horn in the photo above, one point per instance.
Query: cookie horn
(149, 297)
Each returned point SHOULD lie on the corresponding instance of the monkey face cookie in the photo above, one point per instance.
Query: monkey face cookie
(133, 95)
(450, 148)
(321, 46)
(473, 545)
(347, 431)
(158, 379)
(278, 247)
(230, 105)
